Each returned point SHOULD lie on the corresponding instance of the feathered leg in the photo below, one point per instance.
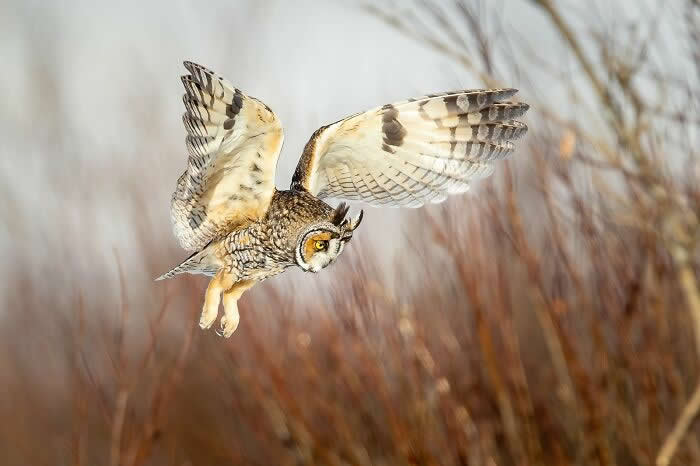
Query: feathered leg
(230, 319)
(221, 282)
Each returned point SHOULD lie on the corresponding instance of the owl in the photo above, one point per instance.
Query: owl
(241, 230)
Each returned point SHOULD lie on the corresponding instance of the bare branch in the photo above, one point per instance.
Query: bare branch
(437, 44)
(670, 445)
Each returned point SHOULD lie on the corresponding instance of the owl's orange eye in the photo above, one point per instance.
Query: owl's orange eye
(321, 245)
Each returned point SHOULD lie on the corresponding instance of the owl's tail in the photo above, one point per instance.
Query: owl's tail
(198, 263)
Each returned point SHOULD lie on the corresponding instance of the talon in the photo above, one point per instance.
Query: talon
(212, 298)
(230, 319)
(207, 319)
(222, 331)
(229, 322)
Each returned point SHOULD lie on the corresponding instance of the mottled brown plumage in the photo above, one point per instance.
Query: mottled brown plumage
(267, 246)
(242, 230)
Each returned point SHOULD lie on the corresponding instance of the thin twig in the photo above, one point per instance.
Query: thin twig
(577, 49)
(445, 49)
(689, 413)
(117, 426)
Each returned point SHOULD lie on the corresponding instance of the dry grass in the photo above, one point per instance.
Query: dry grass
(568, 344)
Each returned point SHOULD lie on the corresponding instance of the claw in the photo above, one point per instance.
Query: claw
(209, 314)
(233, 291)
(231, 318)
(212, 297)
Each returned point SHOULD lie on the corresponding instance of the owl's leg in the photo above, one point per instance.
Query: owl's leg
(221, 282)
(230, 319)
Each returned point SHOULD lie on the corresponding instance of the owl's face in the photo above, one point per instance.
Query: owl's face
(321, 243)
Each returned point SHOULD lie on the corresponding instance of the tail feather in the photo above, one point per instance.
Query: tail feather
(182, 268)
(197, 263)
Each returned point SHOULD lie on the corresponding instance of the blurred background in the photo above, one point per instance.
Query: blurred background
(551, 316)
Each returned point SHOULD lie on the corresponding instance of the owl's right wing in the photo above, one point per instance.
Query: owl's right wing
(233, 142)
(412, 152)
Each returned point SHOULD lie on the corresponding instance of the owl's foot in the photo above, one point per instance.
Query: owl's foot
(228, 324)
(208, 317)
(212, 297)
(211, 308)
(231, 318)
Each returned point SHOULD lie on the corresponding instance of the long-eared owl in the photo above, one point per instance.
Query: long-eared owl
(242, 230)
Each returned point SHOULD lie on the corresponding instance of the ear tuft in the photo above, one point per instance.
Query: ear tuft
(339, 214)
(355, 222)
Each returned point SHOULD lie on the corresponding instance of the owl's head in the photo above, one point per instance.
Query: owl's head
(322, 242)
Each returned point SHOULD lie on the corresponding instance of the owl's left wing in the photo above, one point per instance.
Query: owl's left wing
(412, 152)
(233, 141)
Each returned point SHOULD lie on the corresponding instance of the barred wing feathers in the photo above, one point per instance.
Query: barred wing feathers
(233, 142)
(412, 152)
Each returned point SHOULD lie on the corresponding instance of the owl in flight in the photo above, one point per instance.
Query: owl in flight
(242, 230)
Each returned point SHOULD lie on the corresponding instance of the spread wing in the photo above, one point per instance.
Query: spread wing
(233, 142)
(412, 152)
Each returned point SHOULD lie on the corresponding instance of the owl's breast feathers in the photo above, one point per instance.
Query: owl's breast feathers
(266, 247)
